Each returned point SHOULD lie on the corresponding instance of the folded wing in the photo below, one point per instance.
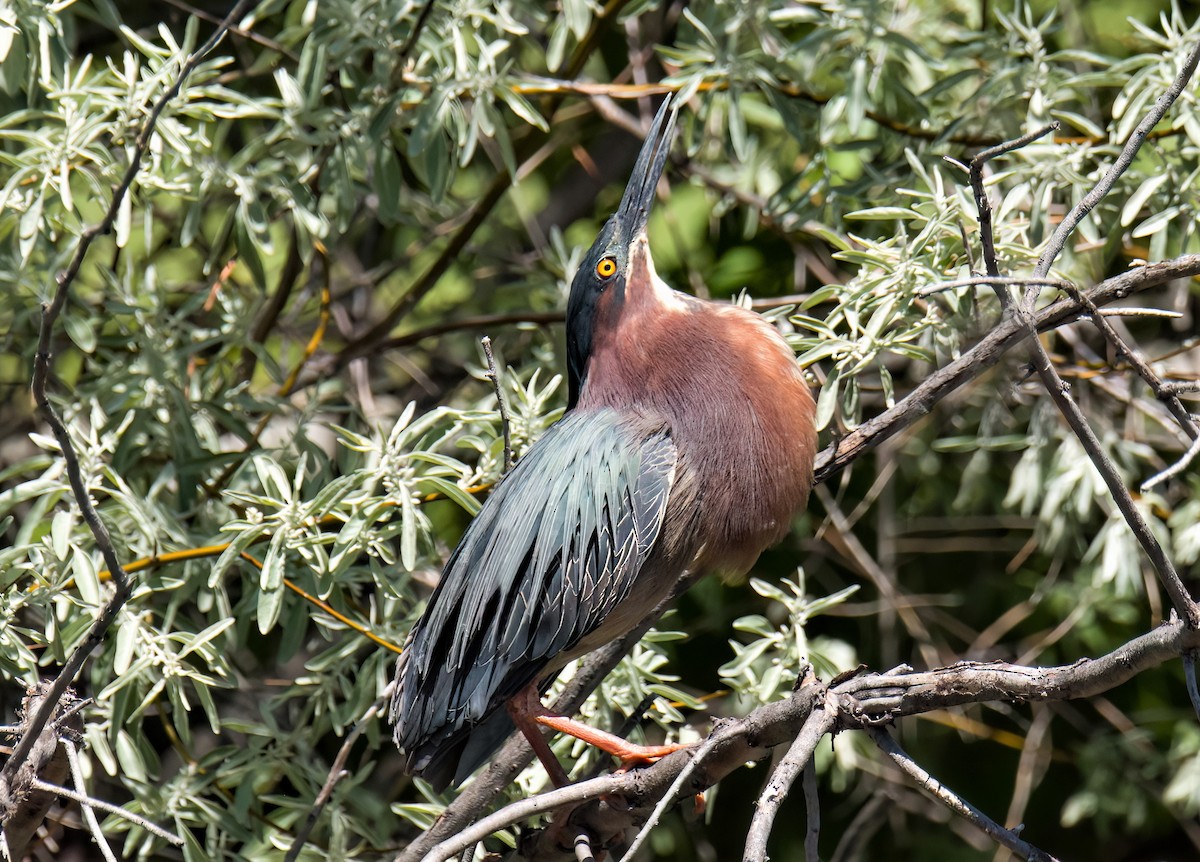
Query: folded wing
(556, 547)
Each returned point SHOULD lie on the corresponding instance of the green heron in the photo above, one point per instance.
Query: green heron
(686, 448)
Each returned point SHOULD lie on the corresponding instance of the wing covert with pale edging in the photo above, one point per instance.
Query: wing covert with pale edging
(556, 547)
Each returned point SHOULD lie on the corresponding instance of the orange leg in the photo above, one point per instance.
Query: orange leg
(524, 719)
(630, 754)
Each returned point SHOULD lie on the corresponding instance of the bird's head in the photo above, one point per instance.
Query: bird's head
(618, 265)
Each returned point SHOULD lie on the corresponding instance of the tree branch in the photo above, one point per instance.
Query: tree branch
(990, 350)
(819, 722)
(954, 802)
(860, 702)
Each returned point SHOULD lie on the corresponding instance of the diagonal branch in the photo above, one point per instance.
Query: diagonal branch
(988, 352)
(954, 802)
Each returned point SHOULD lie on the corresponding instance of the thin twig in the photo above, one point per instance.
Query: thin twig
(1071, 221)
(1134, 357)
(534, 318)
(1189, 675)
(41, 370)
(1129, 311)
(516, 812)
(107, 807)
(418, 26)
(820, 721)
(956, 803)
(985, 207)
(667, 798)
(337, 772)
(248, 35)
(502, 405)
(869, 819)
(1176, 468)
(993, 280)
(812, 813)
(89, 815)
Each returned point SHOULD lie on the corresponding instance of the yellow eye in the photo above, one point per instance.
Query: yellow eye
(606, 268)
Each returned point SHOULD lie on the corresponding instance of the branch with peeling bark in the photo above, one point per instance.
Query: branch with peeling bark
(861, 702)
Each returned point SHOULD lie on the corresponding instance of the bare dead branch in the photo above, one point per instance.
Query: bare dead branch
(1060, 391)
(992, 281)
(109, 808)
(954, 802)
(860, 702)
(819, 722)
(1175, 469)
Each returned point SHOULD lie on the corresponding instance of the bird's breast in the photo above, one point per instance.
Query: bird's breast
(740, 414)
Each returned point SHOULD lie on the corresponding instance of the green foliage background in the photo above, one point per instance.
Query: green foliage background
(276, 351)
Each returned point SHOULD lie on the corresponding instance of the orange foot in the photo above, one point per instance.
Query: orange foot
(628, 753)
(528, 712)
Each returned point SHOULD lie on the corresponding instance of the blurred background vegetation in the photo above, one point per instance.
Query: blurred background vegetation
(272, 374)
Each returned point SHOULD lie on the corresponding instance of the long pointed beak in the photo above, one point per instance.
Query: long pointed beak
(634, 211)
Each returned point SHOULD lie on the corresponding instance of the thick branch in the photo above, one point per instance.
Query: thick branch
(860, 702)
